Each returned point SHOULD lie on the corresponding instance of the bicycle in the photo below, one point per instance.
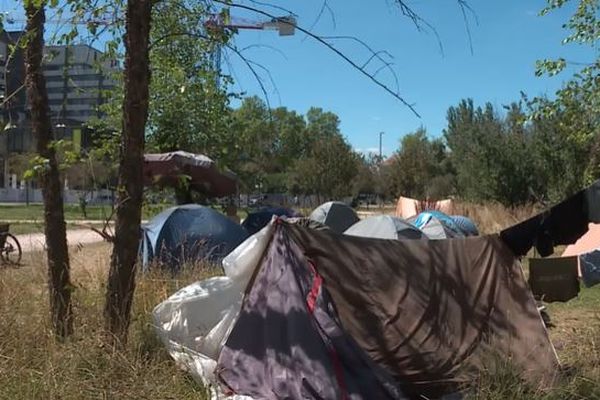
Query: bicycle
(10, 248)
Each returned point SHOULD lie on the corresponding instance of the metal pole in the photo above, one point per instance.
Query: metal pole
(380, 148)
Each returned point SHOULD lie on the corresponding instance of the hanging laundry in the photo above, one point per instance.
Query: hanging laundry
(564, 223)
(554, 279)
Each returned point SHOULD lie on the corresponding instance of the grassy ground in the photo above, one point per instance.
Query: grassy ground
(38, 227)
(35, 212)
(34, 366)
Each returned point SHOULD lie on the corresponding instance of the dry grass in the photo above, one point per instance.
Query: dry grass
(34, 366)
(576, 338)
(493, 217)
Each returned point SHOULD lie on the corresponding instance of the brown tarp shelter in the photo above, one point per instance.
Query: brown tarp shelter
(170, 169)
(428, 314)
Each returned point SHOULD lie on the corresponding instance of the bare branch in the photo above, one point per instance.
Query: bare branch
(324, 7)
(419, 22)
(273, 6)
(464, 7)
(249, 63)
(236, 78)
(266, 70)
(333, 49)
(374, 55)
(265, 46)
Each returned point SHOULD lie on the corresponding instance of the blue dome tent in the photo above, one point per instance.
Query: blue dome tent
(466, 225)
(436, 225)
(189, 233)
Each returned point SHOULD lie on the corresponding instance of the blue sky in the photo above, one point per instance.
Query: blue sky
(508, 37)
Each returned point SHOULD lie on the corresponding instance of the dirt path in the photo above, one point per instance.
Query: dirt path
(36, 241)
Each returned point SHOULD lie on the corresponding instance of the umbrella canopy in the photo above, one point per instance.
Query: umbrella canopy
(385, 227)
(168, 169)
(259, 219)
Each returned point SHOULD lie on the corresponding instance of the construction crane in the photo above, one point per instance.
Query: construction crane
(216, 25)
(101, 20)
(219, 24)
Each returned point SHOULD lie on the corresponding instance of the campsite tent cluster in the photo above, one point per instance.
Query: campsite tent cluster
(309, 313)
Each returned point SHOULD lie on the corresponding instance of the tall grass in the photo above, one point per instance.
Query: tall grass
(493, 217)
(34, 366)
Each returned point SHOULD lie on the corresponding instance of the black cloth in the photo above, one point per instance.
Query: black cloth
(554, 279)
(560, 225)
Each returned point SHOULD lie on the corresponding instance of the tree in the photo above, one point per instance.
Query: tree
(59, 284)
(329, 170)
(577, 103)
(492, 155)
(419, 169)
(188, 109)
(121, 279)
(560, 160)
(121, 282)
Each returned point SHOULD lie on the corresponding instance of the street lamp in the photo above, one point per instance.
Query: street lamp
(380, 147)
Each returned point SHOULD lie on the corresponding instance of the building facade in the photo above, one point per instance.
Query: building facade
(76, 78)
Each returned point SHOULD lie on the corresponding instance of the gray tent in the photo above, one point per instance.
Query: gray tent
(336, 215)
(384, 227)
(436, 225)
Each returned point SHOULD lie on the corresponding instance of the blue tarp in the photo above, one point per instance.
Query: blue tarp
(189, 233)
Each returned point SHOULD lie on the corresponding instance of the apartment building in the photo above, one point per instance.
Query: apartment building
(76, 77)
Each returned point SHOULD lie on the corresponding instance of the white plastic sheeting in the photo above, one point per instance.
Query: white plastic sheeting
(195, 322)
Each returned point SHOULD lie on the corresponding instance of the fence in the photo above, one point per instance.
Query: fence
(28, 195)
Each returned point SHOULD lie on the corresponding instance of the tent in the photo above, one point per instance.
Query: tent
(336, 215)
(407, 207)
(587, 250)
(436, 225)
(189, 233)
(257, 220)
(168, 169)
(410, 318)
(587, 243)
(384, 227)
(466, 225)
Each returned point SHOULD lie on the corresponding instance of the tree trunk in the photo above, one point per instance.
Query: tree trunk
(121, 279)
(54, 228)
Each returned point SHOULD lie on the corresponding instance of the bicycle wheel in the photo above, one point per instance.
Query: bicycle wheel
(11, 252)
